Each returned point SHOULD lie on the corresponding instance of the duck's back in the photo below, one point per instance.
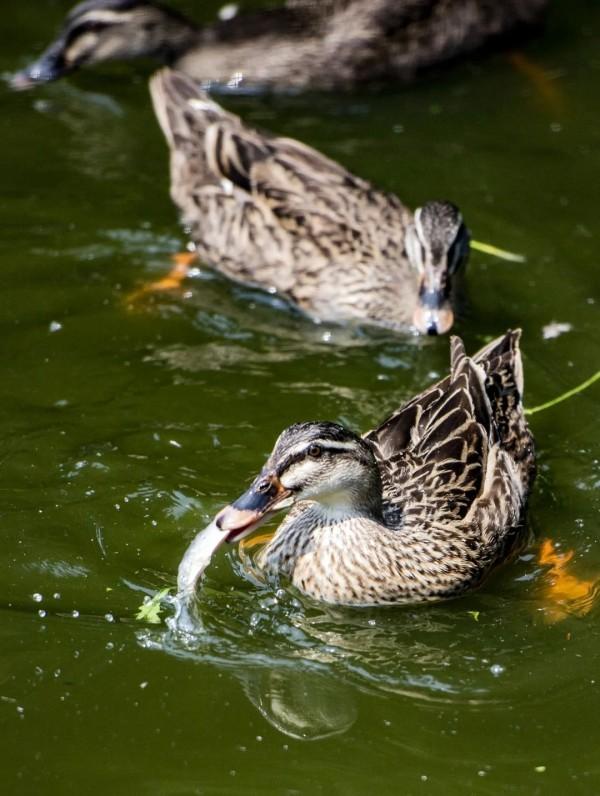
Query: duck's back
(277, 213)
(457, 461)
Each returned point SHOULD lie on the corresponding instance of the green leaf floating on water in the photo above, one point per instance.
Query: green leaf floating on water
(149, 610)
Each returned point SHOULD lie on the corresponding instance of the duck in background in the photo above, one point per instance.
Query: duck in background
(305, 44)
(277, 214)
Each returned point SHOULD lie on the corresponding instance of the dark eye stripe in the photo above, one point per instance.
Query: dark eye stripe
(89, 26)
(303, 454)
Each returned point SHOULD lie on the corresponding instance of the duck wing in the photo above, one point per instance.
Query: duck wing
(461, 452)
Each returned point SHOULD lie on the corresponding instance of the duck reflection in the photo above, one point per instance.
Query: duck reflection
(300, 703)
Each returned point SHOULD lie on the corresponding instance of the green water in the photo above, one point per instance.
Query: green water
(122, 431)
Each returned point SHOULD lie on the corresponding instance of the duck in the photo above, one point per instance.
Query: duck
(327, 45)
(274, 213)
(420, 509)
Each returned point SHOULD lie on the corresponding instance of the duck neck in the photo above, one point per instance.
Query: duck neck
(177, 36)
(362, 499)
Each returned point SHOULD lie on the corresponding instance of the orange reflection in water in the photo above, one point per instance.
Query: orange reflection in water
(183, 261)
(564, 594)
(544, 83)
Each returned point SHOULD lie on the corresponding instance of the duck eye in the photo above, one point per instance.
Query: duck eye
(315, 451)
(263, 487)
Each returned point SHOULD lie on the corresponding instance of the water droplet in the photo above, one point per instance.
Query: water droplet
(496, 669)
(75, 614)
(254, 620)
(41, 613)
(109, 617)
(54, 326)
(37, 597)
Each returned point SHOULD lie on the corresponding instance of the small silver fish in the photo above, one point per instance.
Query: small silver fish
(193, 564)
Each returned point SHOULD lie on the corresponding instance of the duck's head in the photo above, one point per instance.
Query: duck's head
(437, 245)
(323, 462)
(108, 30)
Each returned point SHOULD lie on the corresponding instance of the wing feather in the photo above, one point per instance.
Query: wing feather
(462, 449)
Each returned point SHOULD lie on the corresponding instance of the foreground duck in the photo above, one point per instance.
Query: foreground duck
(277, 214)
(420, 509)
(305, 44)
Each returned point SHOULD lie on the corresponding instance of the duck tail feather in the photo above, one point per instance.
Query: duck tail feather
(184, 111)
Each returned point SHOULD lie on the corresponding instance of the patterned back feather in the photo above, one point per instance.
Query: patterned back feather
(276, 213)
(434, 453)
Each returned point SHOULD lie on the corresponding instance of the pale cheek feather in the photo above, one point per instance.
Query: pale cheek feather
(80, 47)
(298, 474)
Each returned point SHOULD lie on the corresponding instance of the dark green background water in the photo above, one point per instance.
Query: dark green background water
(123, 430)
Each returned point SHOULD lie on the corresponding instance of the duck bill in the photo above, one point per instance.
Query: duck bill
(253, 508)
(433, 313)
(48, 67)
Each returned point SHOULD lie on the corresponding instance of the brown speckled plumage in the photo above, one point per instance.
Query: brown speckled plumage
(277, 214)
(325, 44)
(421, 508)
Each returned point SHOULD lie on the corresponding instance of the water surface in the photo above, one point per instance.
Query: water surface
(124, 429)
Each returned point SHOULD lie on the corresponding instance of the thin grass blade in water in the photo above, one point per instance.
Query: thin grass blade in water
(502, 254)
(569, 394)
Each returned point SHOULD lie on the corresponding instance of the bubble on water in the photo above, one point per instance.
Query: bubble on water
(109, 617)
(37, 597)
(496, 669)
(109, 645)
(75, 614)
(41, 613)
(228, 11)
(55, 326)
(56, 595)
